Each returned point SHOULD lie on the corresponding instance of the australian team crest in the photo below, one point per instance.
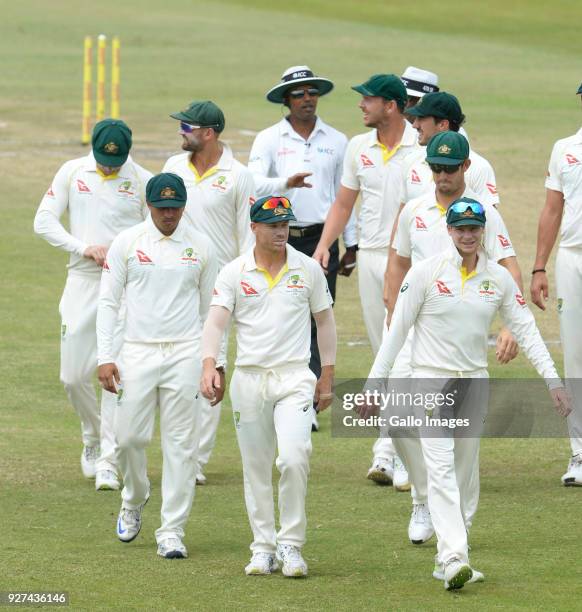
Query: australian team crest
(111, 148)
(444, 149)
(167, 192)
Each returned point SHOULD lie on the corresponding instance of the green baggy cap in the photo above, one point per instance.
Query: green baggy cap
(111, 142)
(272, 209)
(449, 148)
(388, 86)
(202, 113)
(166, 190)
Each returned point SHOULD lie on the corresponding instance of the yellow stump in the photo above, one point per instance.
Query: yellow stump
(87, 70)
(115, 76)
(101, 46)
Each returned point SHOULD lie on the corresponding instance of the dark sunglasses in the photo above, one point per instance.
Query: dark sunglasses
(297, 94)
(438, 168)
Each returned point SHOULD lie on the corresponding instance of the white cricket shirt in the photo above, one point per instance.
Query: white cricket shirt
(272, 316)
(565, 176)
(480, 178)
(452, 314)
(280, 152)
(218, 202)
(168, 283)
(377, 174)
(99, 208)
(422, 230)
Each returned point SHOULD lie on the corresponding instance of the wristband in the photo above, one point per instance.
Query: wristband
(325, 396)
(353, 248)
(538, 270)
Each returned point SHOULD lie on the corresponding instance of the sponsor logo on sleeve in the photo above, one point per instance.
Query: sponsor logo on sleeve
(560, 304)
(571, 159)
(214, 291)
(106, 267)
(519, 299)
(50, 193)
(492, 188)
(503, 241)
(404, 288)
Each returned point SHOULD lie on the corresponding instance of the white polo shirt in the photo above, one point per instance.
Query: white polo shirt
(452, 314)
(377, 174)
(422, 230)
(565, 176)
(480, 178)
(168, 283)
(272, 316)
(280, 152)
(99, 208)
(218, 202)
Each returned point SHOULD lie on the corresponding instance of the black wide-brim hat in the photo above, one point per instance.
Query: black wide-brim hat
(298, 75)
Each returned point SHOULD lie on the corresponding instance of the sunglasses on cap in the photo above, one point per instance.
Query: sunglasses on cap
(189, 128)
(447, 169)
(462, 207)
(297, 94)
(272, 203)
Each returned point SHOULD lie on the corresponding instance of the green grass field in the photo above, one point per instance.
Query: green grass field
(515, 67)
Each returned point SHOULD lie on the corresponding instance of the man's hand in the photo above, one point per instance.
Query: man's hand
(539, 289)
(298, 180)
(321, 256)
(562, 401)
(323, 395)
(97, 252)
(108, 375)
(211, 382)
(219, 390)
(506, 346)
(371, 408)
(347, 263)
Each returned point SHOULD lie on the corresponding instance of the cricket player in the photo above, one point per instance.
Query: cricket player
(103, 194)
(420, 234)
(220, 191)
(373, 167)
(271, 292)
(167, 270)
(301, 157)
(563, 213)
(444, 300)
(439, 112)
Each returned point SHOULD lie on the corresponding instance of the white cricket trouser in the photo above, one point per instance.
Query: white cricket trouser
(450, 464)
(164, 375)
(569, 293)
(272, 410)
(371, 270)
(209, 422)
(78, 310)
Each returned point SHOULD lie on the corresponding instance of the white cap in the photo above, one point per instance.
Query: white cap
(419, 82)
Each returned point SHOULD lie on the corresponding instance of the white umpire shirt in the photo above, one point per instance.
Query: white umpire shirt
(376, 172)
(422, 230)
(168, 283)
(480, 178)
(452, 313)
(99, 208)
(272, 315)
(565, 176)
(279, 151)
(218, 202)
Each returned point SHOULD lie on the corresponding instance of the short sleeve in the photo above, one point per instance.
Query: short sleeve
(350, 171)
(553, 178)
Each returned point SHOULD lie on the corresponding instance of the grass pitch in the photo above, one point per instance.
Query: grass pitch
(514, 68)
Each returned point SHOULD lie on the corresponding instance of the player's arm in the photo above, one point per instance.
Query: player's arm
(397, 269)
(113, 281)
(327, 344)
(337, 218)
(548, 228)
(245, 196)
(520, 320)
(212, 380)
(393, 233)
(47, 222)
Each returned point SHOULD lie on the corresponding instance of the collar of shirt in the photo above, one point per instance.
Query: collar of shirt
(578, 136)
(285, 128)
(177, 236)
(468, 193)
(409, 139)
(91, 166)
(455, 258)
(224, 163)
(292, 259)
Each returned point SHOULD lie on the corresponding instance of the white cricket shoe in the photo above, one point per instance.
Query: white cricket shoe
(573, 477)
(294, 565)
(382, 471)
(200, 479)
(172, 548)
(262, 564)
(457, 574)
(439, 572)
(106, 480)
(89, 458)
(129, 523)
(400, 477)
(420, 529)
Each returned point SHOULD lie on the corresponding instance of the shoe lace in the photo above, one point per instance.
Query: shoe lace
(261, 557)
(131, 516)
(420, 513)
(172, 543)
(398, 465)
(576, 460)
(92, 453)
(291, 553)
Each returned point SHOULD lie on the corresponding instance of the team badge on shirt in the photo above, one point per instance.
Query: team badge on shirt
(487, 290)
(220, 184)
(189, 257)
(126, 188)
(295, 284)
